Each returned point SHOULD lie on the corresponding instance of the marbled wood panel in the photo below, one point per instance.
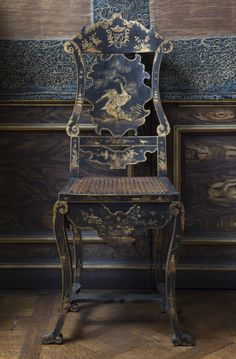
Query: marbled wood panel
(40, 114)
(43, 18)
(28, 252)
(139, 251)
(193, 18)
(208, 184)
(211, 114)
(208, 254)
(34, 166)
(40, 253)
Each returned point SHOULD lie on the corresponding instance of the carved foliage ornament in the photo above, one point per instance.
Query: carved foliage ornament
(116, 33)
(118, 159)
(118, 224)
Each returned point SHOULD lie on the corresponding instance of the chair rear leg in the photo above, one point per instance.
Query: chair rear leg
(59, 212)
(179, 338)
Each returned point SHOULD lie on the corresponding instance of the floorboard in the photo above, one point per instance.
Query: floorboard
(117, 330)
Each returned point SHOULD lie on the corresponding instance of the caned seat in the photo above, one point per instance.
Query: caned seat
(121, 186)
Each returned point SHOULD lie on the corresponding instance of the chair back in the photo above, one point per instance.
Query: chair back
(118, 89)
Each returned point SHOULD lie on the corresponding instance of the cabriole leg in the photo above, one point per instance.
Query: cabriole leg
(59, 211)
(78, 260)
(158, 251)
(179, 338)
(159, 254)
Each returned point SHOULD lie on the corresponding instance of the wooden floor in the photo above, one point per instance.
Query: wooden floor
(121, 331)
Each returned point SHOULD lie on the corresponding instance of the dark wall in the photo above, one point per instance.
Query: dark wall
(34, 149)
(34, 165)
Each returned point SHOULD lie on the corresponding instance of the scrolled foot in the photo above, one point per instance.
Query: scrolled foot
(52, 339)
(59, 339)
(74, 308)
(163, 308)
(183, 340)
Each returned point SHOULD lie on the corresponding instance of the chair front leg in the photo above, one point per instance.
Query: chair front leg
(158, 254)
(78, 264)
(179, 338)
(59, 211)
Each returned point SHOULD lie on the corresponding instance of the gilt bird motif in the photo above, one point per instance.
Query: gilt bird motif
(115, 101)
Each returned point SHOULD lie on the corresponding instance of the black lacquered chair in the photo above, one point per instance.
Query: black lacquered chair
(119, 206)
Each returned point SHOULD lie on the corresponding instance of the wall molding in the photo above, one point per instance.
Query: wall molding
(178, 130)
(121, 266)
(91, 237)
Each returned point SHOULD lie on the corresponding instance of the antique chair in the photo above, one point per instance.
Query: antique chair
(119, 208)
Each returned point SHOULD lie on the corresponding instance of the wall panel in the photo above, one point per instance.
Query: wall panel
(209, 172)
(29, 19)
(190, 18)
(35, 165)
(32, 172)
(56, 18)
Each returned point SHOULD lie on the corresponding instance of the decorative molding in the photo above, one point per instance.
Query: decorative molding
(90, 237)
(36, 69)
(179, 130)
(199, 69)
(196, 70)
(39, 127)
(177, 169)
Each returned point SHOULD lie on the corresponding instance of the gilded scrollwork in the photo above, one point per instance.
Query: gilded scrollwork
(72, 129)
(120, 225)
(111, 35)
(142, 44)
(59, 207)
(175, 207)
(172, 264)
(167, 46)
(91, 44)
(118, 36)
(70, 47)
(74, 154)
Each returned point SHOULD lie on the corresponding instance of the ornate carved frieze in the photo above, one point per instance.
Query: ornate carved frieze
(196, 69)
(129, 9)
(200, 69)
